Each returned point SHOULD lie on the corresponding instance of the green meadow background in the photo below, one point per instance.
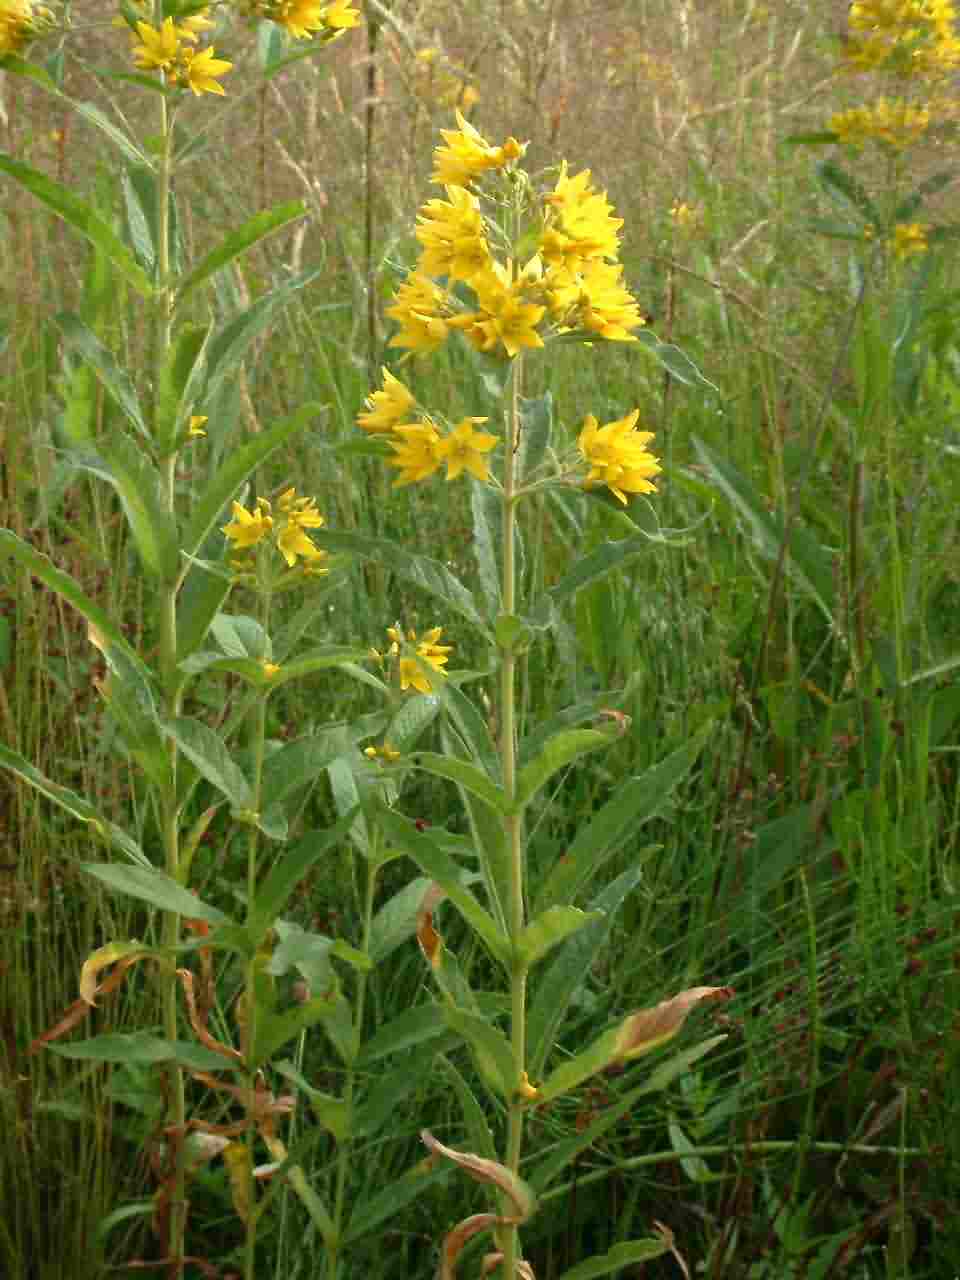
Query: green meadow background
(803, 615)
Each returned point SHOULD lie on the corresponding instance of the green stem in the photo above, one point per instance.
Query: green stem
(169, 810)
(344, 1147)
(513, 823)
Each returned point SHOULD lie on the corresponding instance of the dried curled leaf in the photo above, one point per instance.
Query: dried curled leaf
(483, 1170)
(431, 943)
(649, 1028)
(103, 958)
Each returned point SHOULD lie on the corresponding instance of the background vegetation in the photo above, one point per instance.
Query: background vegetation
(808, 607)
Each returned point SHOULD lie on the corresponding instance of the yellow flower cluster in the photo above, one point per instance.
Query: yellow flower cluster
(570, 279)
(894, 122)
(287, 529)
(408, 649)
(442, 81)
(20, 22)
(304, 19)
(617, 456)
(420, 446)
(170, 48)
(909, 240)
(910, 38)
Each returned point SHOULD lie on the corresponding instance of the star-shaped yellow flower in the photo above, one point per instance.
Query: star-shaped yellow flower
(199, 71)
(464, 449)
(617, 456)
(247, 528)
(386, 409)
(417, 450)
(158, 46)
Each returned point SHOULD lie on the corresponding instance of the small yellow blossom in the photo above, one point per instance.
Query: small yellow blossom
(296, 515)
(385, 753)
(196, 425)
(421, 308)
(581, 226)
(158, 46)
(340, 16)
(388, 408)
(247, 528)
(894, 122)
(18, 21)
(467, 155)
(451, 232)
(189, 28)
(595, 299)
(617, 456)
(199, 71)
(418, 452)
(427, 650)
(909, 240)
(464, 449)
(270, 669)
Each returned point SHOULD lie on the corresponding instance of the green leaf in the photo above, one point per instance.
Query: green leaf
(489, 839)
(588, 568)
(559, 751)
(254, 229)
(179, 363)
(82, 217)
(396, 921)
(479, 1137)
(140, 220)
(332, 1113)
(140, 1047)
(198, 602)
(621, 1255)
(116, 380)
(323, 658)
(297, 764)
(568, 969)
(465, 775)
(434, 861)
(155, 887)
(536, 427)
(368, 1214)
(412, 1027)
(636, 801)
(677, 363)
(810, 565)
(815, 139)
(490, 1048)
(137, 482)
(486, 510)
(204, 748)
(120, 140)
(274, 1030)
(420, 571)
(548, 930)
(843, 187)
(240, 464)
(288, 869)
(73, 804)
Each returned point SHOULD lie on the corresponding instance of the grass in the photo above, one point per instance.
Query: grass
(809, 859)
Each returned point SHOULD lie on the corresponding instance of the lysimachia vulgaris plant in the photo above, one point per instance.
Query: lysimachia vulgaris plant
(512, 262)
(139, 431)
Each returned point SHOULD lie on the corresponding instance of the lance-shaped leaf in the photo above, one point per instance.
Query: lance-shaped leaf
(385, 1206)
(80, 337)
(297, 764)
(556, 754)
(677, 363)
(82, 217)
(640, 1033)
(428, 575)
(156, 887)
(178, 366)
(396, 920)
(239, 1161)
(536, 425)
(139, 1047)
(465, 775)
(621, 1255)
(548, 930)
(205, 749)
(490, 1172)
(237, 468)
(137, 482)
(490, 1048)
(238, 241)
(435, 862)
(104, 958)
(74, 804)
(288, 869)
(333, 1113)
(323, 658)
(274, 1030)
(597, 564)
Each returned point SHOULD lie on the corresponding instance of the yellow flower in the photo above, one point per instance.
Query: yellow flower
(595, 299)
(909, 239)
(190, 28)
(247, 528)
(585, 227)
(270, 669)
(159, 46)
(505, 317)
(894, 122)
(299, 18)
(451, 233)
(196, 425)
(467, 155)
(16, 25)
(387, 408)
(298, 514)
(418, 452)
(386, 753)
(419, 309)
(428, 651)
(464, 449)
(198, 71)
(617, 456)
(339, 16)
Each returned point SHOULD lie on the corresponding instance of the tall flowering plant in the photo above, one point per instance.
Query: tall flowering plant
(511, 263)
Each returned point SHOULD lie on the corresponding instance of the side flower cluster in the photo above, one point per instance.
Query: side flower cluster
(172, 49)
(286, 529)
(422, 445)
(507, 288)
(409, 652)
(20, 22)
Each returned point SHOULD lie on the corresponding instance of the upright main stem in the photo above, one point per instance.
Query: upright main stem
(169, 814)
(513, 823)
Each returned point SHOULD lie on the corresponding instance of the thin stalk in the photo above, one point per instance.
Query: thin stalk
(344, 1148)
(513, 823)
(169, 812)
(258, 735)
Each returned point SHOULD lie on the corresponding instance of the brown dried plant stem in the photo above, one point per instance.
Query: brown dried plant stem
(169, 813)
(513, 823)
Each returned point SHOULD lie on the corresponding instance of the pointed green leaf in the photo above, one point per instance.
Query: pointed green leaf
(548, 930)
(368, 1214)
(490, 1048)
(175, 376)
(608, 556)
(332, 1113)
(140, 1047)
(299, 763)
(323, 658)
(677, 363)
(636, 801)
(621, 1255)
(843, 186)
(240, 464)
(155, 887)
(82, 217)
(489, 839)
(204, 748)
(198, 602)
(274, 1030)
(288, 869)
(536, 426)
(74, 804)
(125, 145)
(140, 229)
(396, 921)
(137, 482)
(486, 509)
(434, 861)
(465, 775)
(412, 1027)
(254, 229)
(420, 571)
(560, 751)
